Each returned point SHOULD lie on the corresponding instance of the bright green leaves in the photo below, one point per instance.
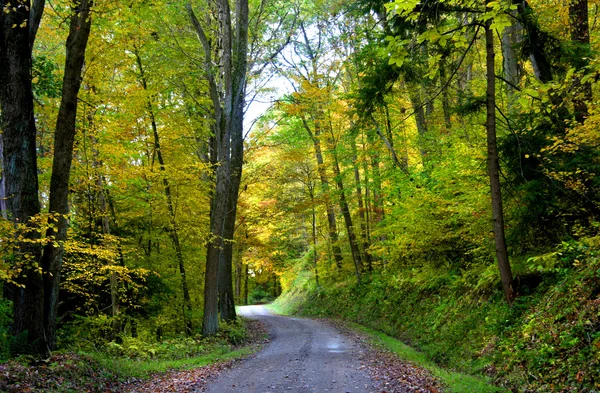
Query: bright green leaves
(397, 50)
(499, 12)
(403, 8)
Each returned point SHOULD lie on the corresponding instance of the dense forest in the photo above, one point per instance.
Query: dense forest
(424, 168)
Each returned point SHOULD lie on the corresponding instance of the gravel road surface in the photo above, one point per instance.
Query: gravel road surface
(304, 355)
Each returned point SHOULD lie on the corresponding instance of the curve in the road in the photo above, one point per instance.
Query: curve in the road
(304, 355)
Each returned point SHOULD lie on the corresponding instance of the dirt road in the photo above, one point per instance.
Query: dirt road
(303, 356)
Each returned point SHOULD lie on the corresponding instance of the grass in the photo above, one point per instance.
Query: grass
(144, 368)
(455, 382)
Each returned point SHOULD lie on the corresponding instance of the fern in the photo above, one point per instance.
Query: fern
(20, 345)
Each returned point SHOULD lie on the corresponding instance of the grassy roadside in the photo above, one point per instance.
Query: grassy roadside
(455, 382)
(125, 368)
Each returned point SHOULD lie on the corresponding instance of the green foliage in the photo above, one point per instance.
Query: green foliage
(234, 332)
(259, 296)
(45, 78)
(5, 336)
(20, 345)
(172, 349)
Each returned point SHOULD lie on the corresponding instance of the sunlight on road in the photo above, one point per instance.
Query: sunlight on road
(253, 311)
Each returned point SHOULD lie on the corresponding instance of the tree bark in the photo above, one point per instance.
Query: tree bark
(511, 39)
(314, 233)
(20, 168)
(227, 97)
(246, 275)
(494, 169)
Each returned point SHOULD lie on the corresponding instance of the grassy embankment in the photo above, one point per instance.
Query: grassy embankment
(548, 341)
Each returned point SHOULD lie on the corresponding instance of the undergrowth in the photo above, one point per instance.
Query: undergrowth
(91, 366)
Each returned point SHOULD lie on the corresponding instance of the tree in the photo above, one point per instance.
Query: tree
(35, 303)
(227, 91)
(18, 28)
(494, 167)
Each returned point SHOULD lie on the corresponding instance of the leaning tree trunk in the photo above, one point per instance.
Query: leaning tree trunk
(494, 170)
(64, 138)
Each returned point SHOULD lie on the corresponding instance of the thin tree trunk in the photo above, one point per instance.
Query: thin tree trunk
(421, 123)
(3, 208)
(494, 170)
(331, 220)
(238, 273)
(314, 235)
(511, 39)
(445, 96)
(187, 301)
(173, 233)
(105, 217)
(361, 208)
(356, 258)
(246, 275)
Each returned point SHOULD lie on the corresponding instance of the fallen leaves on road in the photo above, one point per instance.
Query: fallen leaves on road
(186, 381)
(392, 374)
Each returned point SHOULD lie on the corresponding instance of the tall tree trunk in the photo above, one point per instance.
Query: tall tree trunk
(173, 232)
(106, 232)
(20, 167)
(421, 122)
(314, 233)
(3, 207)
(580, 36)
(227, 97)
(226, 300)
(494, 169)
(445, 96)
(246, 275)
(238, 272)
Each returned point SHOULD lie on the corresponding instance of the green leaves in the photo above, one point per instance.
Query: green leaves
(499, 12)
(397, 51)
(403, 7)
